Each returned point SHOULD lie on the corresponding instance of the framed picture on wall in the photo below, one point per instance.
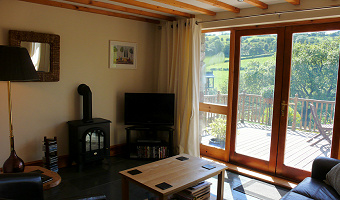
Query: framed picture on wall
(123, 55)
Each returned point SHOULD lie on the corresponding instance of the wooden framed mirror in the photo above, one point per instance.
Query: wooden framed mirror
(44, 50)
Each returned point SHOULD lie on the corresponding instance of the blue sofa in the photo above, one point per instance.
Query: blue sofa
(314, 187)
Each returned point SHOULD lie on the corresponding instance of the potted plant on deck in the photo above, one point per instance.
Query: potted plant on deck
(218, 131)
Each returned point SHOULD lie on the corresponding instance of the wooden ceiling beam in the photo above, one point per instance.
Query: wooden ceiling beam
(294, 2)
(123, 9)
(186, 6)
(91, 10)
(222, 5)
(153, 7)
(257, 3)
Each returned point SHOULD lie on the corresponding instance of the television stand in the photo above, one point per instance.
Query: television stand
(149, 142)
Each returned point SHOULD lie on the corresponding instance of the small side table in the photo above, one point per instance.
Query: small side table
(50, 184)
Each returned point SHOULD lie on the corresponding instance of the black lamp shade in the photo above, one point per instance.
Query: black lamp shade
(16, 65)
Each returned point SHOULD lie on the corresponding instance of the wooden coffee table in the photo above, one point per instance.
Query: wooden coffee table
(179, 174)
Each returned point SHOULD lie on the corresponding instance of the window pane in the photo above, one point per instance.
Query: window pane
(256, 93)
(215, 68)
(213, 129)
(313, 83)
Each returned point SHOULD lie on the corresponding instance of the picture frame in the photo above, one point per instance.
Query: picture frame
(123, 55)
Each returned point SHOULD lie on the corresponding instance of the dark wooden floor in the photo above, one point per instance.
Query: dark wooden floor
(100, 179)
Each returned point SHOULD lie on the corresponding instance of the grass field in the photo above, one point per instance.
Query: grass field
(220, 67)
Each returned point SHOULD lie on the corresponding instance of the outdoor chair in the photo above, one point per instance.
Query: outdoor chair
(324, 129)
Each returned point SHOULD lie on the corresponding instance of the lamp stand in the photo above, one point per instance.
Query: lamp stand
(13, 163)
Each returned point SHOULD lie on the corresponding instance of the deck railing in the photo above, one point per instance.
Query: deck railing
(254, 108)
(325, 112)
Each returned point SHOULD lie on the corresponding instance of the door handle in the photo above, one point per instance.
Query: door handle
(283, 104)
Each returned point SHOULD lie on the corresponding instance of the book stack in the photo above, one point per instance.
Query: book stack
(50, 148)
(156, 152)
(201, 191)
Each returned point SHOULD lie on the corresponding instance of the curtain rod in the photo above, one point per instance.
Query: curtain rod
(185, 24)
(274, 13)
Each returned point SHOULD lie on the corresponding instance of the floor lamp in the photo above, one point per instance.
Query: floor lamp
(15, 65)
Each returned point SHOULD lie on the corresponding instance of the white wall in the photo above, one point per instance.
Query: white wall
(43, 108)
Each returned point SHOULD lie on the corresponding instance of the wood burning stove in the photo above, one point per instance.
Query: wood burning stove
(89, 139)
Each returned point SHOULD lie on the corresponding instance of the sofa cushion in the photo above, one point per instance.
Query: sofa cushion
(333, 177)
(321, 166)
(316, 189)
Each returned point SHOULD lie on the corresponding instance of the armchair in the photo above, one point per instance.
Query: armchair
(21, 186)
(28, 186)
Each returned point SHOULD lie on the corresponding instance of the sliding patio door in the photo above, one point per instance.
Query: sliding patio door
(285, 111)
(257, 93)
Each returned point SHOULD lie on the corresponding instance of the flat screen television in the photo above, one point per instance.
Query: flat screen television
(149, 109)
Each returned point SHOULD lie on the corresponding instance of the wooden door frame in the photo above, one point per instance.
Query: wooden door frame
(267, 166)
(209, 151)
(224, 155)
(281, 169)
(213, 152)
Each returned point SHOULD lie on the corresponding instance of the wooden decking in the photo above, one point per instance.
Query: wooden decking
(254, 140)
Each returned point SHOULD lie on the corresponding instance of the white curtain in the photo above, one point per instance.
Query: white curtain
(35, 54)
(179, 65)
(40, 55)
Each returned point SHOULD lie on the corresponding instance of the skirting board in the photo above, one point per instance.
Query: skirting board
(115, 150)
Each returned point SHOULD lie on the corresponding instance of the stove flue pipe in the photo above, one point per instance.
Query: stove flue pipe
(85, 91)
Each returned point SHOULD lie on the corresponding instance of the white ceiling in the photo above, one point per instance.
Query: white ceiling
(197, 3)
(125, 7)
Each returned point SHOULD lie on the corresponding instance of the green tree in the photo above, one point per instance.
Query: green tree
(226, 49)
(258, 76)
(266, 47)
(213, 46)
(224, 86)
(291, 116)
(268, 92)
(315, 69)
(245, 47)
(256, 49)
